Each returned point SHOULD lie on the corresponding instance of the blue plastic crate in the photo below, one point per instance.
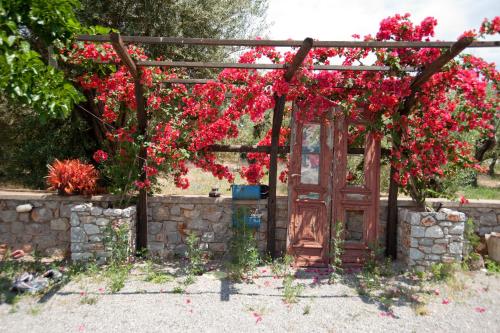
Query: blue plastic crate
(245, 192)
(251, 222)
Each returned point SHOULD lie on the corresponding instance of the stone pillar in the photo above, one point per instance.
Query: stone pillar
(89, 226)
(425, 238)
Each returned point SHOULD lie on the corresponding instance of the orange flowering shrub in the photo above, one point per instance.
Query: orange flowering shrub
(72, 177)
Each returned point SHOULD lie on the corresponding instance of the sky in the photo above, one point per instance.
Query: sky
(339, 19)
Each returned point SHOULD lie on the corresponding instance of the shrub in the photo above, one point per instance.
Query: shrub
(244, 252)
(194, 255)
(72, 177)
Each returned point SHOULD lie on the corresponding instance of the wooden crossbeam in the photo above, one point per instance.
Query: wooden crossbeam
(246, 149)
(195, 64)
(121, 50)
(281, 43)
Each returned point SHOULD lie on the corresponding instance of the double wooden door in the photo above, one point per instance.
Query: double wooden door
(333, 178)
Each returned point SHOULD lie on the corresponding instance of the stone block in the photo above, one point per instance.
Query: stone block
(426, 241)
(212, 216)
(26, 208)
(83, 256)
(91, 229)
(456, 248)
(65, 210)
(208, 237)
(219, 228)
(198, 224)
(129, 212)
(175, 210)
(156, 246)
(102, 221)
(417, 231)
(187, 206)
(78, 235)
(428, 221)
(59, 224)
(217, 247)
(457, 229)
(173, 238)
(34, 229)
(87, 219)
(415, 254)
(75, 220)
(438, 249)
(76, 247)
(16, 228)
(161, 213)
(191, 214)
(95, 211)
(170, 226)
(23, 217)
(95, 238)
(8, 215)
(489, 219)
(154, 227)
(82, 207)
(434, 232)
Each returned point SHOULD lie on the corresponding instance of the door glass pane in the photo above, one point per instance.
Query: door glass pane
(311, 146)
(354, 225)
(355, 170)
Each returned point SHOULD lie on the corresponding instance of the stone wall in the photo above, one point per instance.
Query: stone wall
(91, 225)
(425, 238)
(39, 221)
(172, 218)
(42, 220)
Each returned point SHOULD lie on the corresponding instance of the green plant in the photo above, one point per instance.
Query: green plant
(443, 271)
(307, 310)
(155, 276)
(243, 251)
(117, 275)
(281, 266)
(492, 266)
(194, 255)
(87, 299)
(472, 239)
(337, 249)
(116, 240)
(178, 290)
(291, 291)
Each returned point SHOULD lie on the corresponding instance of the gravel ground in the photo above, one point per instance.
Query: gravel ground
(213, 305)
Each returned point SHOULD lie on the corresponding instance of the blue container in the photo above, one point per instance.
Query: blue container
(251, 222)
(245, 192)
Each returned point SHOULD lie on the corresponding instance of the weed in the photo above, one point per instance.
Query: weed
(291, 291)
(281, 266)
(155, 276)
(336, 253)
(307, 310)
(244, 253)
(421, 309)
(492, 266)
(194, 255)
(189, 280)
(117, 274)
(178, 290)
(443, 271)
(87, 299)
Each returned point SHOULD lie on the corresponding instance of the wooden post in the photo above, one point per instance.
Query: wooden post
(279, 108)
(142, 202)
(142, 125)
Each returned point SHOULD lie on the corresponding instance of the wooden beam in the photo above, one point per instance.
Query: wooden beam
(142, 203)
(121, 50)
(246, 149)
(281, 43)
(195, 64)
(298, 59)
(442, 60)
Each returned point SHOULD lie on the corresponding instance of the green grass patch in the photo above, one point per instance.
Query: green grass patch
(480, 192)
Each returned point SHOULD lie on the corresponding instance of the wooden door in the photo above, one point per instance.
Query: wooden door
(310, 192)
(356, 193)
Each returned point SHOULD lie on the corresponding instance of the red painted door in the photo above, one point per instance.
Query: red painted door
(310, 192)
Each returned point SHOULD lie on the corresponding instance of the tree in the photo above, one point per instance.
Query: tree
(27, 29)
(175, 18)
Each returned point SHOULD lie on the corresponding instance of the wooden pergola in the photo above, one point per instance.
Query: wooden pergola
(453, 48)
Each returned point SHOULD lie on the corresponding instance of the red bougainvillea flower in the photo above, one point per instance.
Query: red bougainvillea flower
(258, 317)
(445, 301)
(480, 309)
(463, 200)
(100, 156)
